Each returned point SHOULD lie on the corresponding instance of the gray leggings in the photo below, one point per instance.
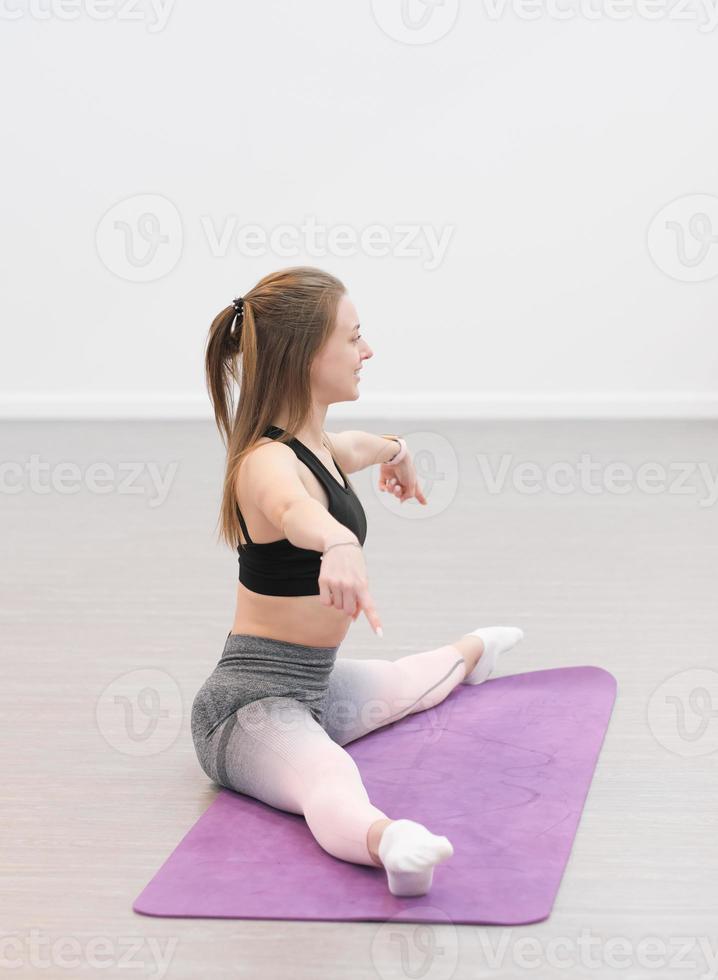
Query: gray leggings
(271, 720)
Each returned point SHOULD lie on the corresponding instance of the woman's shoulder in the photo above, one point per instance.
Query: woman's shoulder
(267, 476)
(283, 450)
(255, 465)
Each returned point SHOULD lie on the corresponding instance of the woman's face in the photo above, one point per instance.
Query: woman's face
(334, 369)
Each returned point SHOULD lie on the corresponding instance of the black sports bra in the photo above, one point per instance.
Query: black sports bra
(279, 567)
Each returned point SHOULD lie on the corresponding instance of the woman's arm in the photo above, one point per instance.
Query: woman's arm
(273, 481)
(370, 449)
(355, 450)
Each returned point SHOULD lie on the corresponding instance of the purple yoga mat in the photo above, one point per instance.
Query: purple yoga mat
(502, 768)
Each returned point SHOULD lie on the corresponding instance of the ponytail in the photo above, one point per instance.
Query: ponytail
(224, 345)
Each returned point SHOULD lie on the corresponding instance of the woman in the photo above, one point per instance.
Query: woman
(273, 717)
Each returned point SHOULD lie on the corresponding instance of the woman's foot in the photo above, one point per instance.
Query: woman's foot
(409, 853)
(496, 640)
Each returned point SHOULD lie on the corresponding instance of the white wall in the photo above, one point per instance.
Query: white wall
(545, 146)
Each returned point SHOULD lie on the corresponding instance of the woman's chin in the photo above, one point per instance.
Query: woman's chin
(350, 396)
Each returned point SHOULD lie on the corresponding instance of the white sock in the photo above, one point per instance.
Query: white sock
(409, 852)
(496, 639)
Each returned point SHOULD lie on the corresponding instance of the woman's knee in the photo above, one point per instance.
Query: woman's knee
(429, 677)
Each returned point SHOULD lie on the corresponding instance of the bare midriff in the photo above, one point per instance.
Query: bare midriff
(295, 619)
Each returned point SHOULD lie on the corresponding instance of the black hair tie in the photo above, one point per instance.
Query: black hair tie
(238, 305)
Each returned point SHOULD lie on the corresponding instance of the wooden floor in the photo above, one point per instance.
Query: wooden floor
(107, 594)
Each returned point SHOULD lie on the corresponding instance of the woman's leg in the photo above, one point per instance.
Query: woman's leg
(274, 750)
(364, 695)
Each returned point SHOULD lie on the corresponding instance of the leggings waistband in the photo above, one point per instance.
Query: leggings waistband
(242, 647)
(240, 639)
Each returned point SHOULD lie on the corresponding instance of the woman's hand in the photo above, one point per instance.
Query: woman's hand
(401, 480)
(343, 583)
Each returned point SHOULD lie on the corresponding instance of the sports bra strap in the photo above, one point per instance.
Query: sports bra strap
(267, 432)
(244, 526)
